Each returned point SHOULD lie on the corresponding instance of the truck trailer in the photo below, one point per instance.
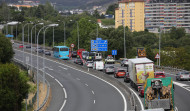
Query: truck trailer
(139, 70)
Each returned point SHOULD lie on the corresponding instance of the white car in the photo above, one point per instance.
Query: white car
(109, 59)
(89, 64)
(98, 56)
(98, 65)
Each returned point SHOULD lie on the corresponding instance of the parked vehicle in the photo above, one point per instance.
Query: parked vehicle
(74, 53)
(39, 49)
(12, 41)
(84, 54)
(89, 58)
(98, 65)
(183, 76)
(120, 73)
(139, 70)
(109, 69)
(124, 62)
(126, 77)
(47, 53)
(89, 64)
(98, 56)
(61, 52)
(109, 59)
(78, 61)
(159, 75)
(20, 46)
(159, 93)
(28, 46)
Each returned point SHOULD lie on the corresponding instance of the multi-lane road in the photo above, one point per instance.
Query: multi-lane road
(75, 89)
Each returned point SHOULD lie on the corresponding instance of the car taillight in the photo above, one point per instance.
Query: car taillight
(181, 76)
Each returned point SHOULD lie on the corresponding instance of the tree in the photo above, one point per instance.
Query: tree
(150, 54)
(13, 87)
(96, 14)
(111, 9)
(6, 50)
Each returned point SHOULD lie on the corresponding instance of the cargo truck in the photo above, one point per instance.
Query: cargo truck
(139, 70)
(159, 93)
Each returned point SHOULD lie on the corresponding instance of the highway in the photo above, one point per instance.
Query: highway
(92, 92)
(75, 90)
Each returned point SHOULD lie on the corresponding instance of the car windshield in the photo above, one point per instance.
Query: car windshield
(159, 74)
(91, 54)
(74, 52)
(184, 72)
(64, 49)
(85, 54)
(110, 66)
(121, 70)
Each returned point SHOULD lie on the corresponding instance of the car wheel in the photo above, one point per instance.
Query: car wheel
(176, 79)
(115, 76)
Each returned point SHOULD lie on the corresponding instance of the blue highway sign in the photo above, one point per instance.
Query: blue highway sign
(99, 45)
(114, 52)
(9, 35)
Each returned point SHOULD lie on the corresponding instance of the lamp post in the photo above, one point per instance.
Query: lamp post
(44, 37)
(51, 25)
(160, 44)
(31, 44)
(12, 24)
(77, 32)
(23, 40)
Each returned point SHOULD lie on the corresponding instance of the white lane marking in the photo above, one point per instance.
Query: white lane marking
(65, 92)
(94, 101)
(188, 81)
(122, 95)
(63, 105)
(62, 67)
(78, 79)
(181, 85)
(50, 75)
(92, 92)
(176, 109)
(142, 107)
(59, 83)
(49, 68)
(86, 84)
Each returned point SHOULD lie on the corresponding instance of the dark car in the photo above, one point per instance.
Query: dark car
(28, 46)
(47, 53)
(40, 50)
(126, 77)
(109, 69)
(78, 61)
(74, 53)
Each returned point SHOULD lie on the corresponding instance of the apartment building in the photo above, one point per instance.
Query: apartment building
(165, 14)
(130, 13)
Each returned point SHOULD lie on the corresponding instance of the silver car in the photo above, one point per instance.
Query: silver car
(183, 76)
(109, 69)
(89, 64)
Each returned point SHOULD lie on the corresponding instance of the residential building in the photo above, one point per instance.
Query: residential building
(130, 13)
(165, 14)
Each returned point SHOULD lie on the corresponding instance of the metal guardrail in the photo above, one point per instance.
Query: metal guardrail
(174, 69)
(48, 86)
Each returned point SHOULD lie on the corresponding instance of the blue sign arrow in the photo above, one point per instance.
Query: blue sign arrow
(114, 52)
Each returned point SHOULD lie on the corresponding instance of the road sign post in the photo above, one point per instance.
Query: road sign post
(157, 57)
(114, 52)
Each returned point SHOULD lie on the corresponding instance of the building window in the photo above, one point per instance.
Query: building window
(131, 13)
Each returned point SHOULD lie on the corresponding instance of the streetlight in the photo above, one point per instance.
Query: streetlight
(23, 40)
(160, 44)
(96, 27)
(12, 24)
(77, 32)
(48, 26)
(51, 25)
(31, 44)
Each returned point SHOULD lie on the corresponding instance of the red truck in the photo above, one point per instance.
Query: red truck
(79, 53)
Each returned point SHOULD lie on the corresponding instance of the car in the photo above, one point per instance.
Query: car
(84, 54)
(20, 46)
(74, 54)
(47, 53)
(183, 76)
(12, 41)
(124, 62)
(120, 73)
(40, 50)
(141, 91)
(78, 61)
(28, 46)
(109, 69)
(89, 64)
(159, 75)
(110, 60)
(98, 56)
(126, 77)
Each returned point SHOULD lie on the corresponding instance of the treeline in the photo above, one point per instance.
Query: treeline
(13, 83)
(175, 40)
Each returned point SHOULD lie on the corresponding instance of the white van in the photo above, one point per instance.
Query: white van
(98, 56)
(98, 65)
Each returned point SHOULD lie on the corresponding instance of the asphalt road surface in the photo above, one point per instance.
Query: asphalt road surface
(74, 90)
